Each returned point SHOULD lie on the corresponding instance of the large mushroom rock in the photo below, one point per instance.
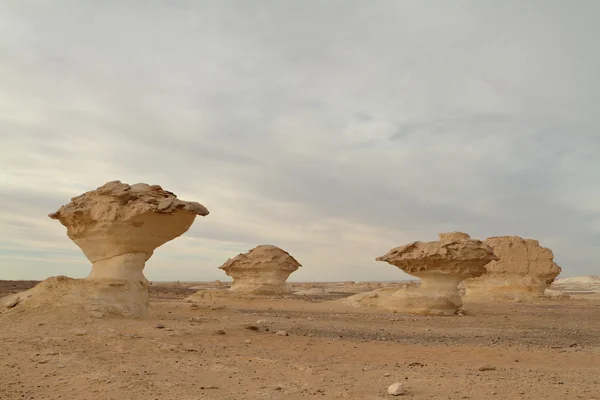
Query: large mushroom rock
(262, 270)
(441, 266)
(523, 271)
(118, 227)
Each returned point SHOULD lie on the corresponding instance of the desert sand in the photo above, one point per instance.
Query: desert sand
(229, 348)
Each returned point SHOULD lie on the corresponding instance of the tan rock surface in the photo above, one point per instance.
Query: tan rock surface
(522, 272)
(441, 266)
(118, 227)
(262, 270)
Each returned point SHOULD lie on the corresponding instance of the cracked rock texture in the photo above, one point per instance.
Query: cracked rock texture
(262, 270)
(523, 271)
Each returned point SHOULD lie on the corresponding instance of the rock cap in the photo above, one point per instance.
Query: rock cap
(455, 254)
(116, 201)
(262, 256)
(118, 219)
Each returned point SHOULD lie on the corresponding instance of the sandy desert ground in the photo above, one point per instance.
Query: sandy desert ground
(230, 349)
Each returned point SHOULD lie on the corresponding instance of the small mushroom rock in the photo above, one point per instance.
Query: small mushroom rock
(118, 227)
(262, 270)
(523, 271)
(441, 266)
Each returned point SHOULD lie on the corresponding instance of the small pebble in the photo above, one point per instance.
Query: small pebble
(487, 367)
(281, 333)
(219, 332)
(159, 326)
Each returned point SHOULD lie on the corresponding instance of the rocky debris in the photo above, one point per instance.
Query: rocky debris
(396, 389)
(11, 302)
(251, 327)
(159, 326)
(218, 332)
(441, 266)
(118, 227)
(247, 341)
(523, 270)
(262, 270)
(281, 333)
(487, 367)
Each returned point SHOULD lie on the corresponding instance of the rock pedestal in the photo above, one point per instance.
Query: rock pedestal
(262, 270)
(440, 265)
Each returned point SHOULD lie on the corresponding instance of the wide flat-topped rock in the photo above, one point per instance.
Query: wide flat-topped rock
(454, 254)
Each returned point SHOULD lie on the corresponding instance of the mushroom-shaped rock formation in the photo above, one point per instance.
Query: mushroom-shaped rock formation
(118, 227)
(523, 271)
(262, 270)
(441, 266)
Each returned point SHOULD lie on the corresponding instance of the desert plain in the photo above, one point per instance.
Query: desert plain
(302, 345)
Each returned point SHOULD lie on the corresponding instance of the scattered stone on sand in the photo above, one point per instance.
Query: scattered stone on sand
(262, 270)
(11, 302)
(396, 389)
(281, 333)
(487, 367)
(252, 327)
(159, 326)
(218, 332)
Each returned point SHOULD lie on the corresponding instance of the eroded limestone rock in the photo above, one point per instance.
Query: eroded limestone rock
(523, 271)
(441, 266)
(118, 227)
(262, 270)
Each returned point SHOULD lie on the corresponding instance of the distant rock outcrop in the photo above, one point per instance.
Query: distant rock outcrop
(441, 266)
(586, 284)
(118, 227)
(523, 271)
(262, 270)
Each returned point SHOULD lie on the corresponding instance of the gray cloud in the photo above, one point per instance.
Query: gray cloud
(335, 130)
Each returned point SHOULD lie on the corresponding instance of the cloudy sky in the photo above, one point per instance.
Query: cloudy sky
(334, 129)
